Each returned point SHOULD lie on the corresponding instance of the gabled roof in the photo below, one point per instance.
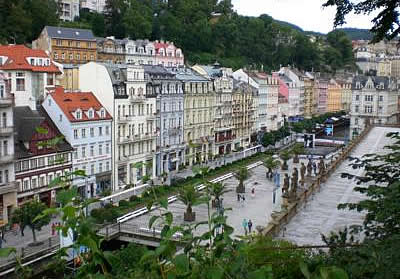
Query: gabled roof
(70, 33)
(69, 102)
(186, 74)
(18, 59)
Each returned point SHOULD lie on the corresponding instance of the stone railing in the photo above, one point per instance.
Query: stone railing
(280, 219)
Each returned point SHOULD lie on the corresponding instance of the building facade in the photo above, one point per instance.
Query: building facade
(94, 6)
(86, 125)
(321, 88)
(334, 102)
(310, 97)
(140, 52)
(8, 189)
(110, 50)
(67, 45)
(199, 98)
(38, 161)
(30, 74)
(170, 117)
(223, 122)
(69, 79)
(374, 101)
(168, 55)
(68, 9)
(345, 86)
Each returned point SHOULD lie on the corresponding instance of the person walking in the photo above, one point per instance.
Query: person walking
(253, 193)
(314, 166)
(250, 225)
(245, 225)
(239, 197)
(2, 238)
(53, 229)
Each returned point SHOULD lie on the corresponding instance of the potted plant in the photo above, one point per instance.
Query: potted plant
(297, 150)
(241, 174)
(190, 197)
(270, 163)
(216, 190)
(285, 155)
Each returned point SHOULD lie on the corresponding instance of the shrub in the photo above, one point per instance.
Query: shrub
(124, 203)
(134, 199)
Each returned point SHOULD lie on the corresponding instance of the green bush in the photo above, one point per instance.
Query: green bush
(124, 203)
(134, 199)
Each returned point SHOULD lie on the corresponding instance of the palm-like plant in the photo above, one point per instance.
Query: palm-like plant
(297, 150)
(216, 190)
(285, 155)
(190, 197)
(241, 174)
(270, 163)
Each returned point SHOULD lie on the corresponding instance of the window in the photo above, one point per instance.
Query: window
(50, 178)
(50, 79)
(356, 121)
(78, 114)
(75, 153)
(92, 150)
(1, 177)
(34, 183)
(60, 118)
(368, 98)
(78, 57)
(92, 169)
(33, 164)
(6, 177)
(102, 113)
(380, 98)
(356, 108)
(42, 181)
(83, 133)
(107, 130)
(41, 162)
(69, 43)
(26, 185)
(83, 152)
(75, 134)
(100, 167)
(78, 44)
(100, 131)
(89, 44)
(20, 81)
(58, 42)
(90, 113)
(357, 97)
(368, 109)
(107, 166)
(91, 57)
(5, 148)
(92, 132)
(107, 148)
(71, 56)
(100, 149)
(25, 165)
(63, 55)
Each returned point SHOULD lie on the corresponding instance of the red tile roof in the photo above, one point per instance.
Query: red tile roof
(17, 59)
(69, 102)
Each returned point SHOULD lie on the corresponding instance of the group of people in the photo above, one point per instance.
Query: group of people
(241, 198)
(247, 226)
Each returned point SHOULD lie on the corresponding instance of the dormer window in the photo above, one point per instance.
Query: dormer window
(102, 113)
(90, 113)
(32, 62)
(78, 114)
(358, 85)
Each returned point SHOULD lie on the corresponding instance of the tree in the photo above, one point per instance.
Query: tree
(297, 149)
(190, 197)
(241, 174)
(285, 155)
(386, 23)
(217, 190)
(27, 216)
(137, 20)
(270, 163)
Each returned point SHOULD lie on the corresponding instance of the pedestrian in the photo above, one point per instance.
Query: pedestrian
(243, 200)
(244, 224)
(238, 197)
(314, 166)
(2, 238)
(253, 193)
(15, 228)
(53, 229)
(250, 225)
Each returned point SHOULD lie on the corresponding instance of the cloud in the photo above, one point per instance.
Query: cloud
(307, 14)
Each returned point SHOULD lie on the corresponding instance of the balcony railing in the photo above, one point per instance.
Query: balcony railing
(6, 101)
(136, 138)
(6, 159)
(6, 131)
(137, 98)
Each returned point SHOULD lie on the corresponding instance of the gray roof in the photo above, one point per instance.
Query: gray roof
(239, 84)
(186, 74)
(386, 81)
(70, 33)
(212, 71)
(157, 70)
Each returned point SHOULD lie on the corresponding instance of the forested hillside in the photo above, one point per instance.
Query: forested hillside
(205, 30)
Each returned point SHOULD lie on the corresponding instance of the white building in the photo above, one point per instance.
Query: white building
(374, 101)
(8, 190)
(123, 92)
(86, 125)
(93, 5)
(30, 72)
(140, 52)
(68, 9)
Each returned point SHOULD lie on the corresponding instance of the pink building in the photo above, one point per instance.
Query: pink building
(168, 54)
(322, 95)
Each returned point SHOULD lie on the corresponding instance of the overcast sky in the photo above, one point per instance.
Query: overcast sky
(307, 14)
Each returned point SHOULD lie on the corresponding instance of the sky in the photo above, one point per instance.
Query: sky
(307, 14)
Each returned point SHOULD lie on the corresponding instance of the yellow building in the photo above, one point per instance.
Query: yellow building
(334, 102)
(198, 115)
(243, 113)
(346, 94)
(383, 68)
(69, 78)
(310, 97)
(67, 45)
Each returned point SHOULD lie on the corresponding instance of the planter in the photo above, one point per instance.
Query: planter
(189, 216)
(240, 189)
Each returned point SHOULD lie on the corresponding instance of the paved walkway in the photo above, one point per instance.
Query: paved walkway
(321, 216)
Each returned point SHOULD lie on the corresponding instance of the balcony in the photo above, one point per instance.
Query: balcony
(223, 139)
(137, 98)
(6, 131)
(136, 138)
(5, 102)
(8, 188)
(174, 131)
(124, 119)
(6, 159)
(151, 117)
